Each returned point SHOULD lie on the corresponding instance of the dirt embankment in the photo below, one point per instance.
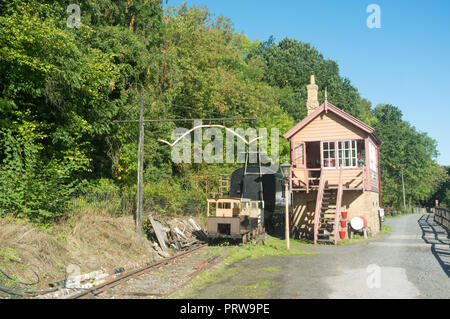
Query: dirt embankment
(83, 242)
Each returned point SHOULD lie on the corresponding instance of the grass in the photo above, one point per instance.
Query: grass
(396, 216)
(385, 230)
(272, 247)
(272, 269)
(254, 290)
(90, 240)
(228, 269)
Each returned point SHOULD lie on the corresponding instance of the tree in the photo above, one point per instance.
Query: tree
(290, 63)
(403, 145)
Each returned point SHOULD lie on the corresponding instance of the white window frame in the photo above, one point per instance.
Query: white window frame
(328, 150)
(341, 150)
(373, 157)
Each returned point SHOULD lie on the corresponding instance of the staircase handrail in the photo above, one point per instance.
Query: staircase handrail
(338, 206)
(318, 205)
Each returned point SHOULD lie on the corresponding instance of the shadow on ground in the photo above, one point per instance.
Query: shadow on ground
(438, 238)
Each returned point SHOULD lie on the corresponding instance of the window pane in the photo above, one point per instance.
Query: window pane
(329, 154)
(298, 154)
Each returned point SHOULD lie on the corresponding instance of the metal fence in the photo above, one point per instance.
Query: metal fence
(410, 210)
(442, 217)
(113, 204)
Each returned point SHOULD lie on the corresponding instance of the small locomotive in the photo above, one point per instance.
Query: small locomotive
(256, 201)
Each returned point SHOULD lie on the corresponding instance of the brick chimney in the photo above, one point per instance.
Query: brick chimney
(313, 101)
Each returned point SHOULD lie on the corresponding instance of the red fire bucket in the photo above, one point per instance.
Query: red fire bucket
(342, 234)
(344, 215)
(343, 223)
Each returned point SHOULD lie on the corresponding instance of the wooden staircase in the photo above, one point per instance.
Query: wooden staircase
(328, 210)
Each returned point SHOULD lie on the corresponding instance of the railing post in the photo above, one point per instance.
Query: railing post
(307, 180)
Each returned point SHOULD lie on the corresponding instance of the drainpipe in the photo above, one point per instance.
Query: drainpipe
(379, 176)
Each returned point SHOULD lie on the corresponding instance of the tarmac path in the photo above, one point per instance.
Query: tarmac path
(411, 262)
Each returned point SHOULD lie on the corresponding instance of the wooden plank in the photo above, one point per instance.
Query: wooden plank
(329, 126)
(158, 233)
(175, 238)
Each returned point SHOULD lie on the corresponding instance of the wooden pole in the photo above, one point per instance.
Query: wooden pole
(140, 175)
(403, 186)
(286, 195)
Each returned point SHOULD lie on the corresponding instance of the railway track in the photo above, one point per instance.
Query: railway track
(92, 292)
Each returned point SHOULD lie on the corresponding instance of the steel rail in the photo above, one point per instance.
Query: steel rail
(117, 281)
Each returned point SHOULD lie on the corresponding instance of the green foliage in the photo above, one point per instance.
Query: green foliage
(159, 196)
(103, 196)
(30, 187)
(61, 90)
(385, 229)
(289, 64)
(442, 194)
(403, 145)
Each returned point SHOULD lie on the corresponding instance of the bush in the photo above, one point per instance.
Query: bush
(103, 196)
(169, 197)
(31, 187)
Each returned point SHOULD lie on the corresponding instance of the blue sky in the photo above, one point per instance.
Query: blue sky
(405, 63)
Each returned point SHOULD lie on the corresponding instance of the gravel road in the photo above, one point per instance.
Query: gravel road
(412, 262)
